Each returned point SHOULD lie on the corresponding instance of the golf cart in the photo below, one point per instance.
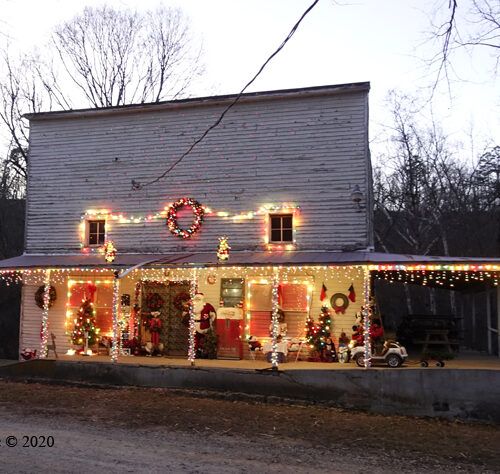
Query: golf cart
(392, 353)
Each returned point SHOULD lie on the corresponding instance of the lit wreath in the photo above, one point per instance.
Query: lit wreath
(172, 217)
(212, 279)
(155, 301)
(179, 301)
(39, 296)
(341, 308)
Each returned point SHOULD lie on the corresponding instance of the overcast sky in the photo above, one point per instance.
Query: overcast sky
(381, 41)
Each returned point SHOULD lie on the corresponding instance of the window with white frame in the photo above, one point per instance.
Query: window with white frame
(281, 228)
(96, 232)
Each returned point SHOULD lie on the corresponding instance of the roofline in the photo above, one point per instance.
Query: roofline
(210, 100)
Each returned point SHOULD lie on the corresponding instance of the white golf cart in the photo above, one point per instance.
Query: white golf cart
(393, 354)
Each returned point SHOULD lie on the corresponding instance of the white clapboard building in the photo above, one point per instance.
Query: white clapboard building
(284, 180)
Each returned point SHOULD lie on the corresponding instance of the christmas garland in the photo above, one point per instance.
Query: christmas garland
(198, 210)
(39, 296)
(179, 300)
(155, 301)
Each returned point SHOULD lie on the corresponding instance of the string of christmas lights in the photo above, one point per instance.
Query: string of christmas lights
(45, 316)
(274, 322)
(366, 318)
(193, 288)
(115, 343)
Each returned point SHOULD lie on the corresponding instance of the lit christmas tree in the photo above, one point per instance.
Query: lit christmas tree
(317, 334)
(85, 322)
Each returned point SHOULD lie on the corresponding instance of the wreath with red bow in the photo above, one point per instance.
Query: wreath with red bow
(155, 301)
(179, 301)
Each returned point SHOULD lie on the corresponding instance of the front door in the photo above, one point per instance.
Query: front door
(166, 298)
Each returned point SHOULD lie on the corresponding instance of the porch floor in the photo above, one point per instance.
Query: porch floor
(465, 360)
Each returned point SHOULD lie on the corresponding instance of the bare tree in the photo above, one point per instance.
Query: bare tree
(118, 57)
(113, 57)
(470, 27)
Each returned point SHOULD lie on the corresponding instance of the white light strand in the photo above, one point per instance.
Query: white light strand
(45, 316)
(193, 288)
(274, 332)
(366, 318)
(114, 346)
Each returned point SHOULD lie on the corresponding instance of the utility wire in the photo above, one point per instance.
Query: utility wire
(137, 186)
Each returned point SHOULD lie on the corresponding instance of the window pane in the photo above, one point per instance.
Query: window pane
(276, 235)
(101, 238)
(287, 222)
(275, 222)
(287, 236)
(92, 239)
(93, 227)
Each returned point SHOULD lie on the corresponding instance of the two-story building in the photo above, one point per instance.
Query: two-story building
(285, 177)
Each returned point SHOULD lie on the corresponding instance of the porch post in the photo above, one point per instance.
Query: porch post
(366, 317)
(274, 319)
(45, 316)
(498, 319)
(193, 286)
(116, 291)
(489, 332)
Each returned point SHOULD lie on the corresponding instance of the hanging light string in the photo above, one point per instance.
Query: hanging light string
(366, 318)
(137, 185)
(45, 316)
(115, 344)
(274, 330)
(193, 288)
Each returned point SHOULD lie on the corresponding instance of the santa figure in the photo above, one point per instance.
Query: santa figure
(204, 317)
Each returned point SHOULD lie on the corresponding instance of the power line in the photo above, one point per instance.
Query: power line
(136, 185)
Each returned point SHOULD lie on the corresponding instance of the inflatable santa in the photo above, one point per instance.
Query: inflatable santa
(204, 317)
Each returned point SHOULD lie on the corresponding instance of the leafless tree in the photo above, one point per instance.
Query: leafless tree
(118, 57)
(113, 57)
(466, 25)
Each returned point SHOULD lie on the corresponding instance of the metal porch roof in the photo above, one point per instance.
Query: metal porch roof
(238, 258)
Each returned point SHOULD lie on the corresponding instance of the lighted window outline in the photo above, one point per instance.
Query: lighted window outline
(86, 219)
(281, 211)
(268, 281)
(70, 316)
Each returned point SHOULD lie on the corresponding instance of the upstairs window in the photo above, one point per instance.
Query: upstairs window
(281, 228)
(96, 232)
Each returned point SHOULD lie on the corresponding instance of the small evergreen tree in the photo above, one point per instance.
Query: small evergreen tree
(85, 322)
(317, 334)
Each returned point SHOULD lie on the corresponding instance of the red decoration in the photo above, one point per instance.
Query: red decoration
(91, 288)
(322, 296)
(155, 326)
(198, 210)
(352, 294)
(155, 301)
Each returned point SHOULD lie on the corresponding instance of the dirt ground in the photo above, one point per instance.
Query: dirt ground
(162, 430)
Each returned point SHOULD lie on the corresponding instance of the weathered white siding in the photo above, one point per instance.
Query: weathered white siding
(306, 150)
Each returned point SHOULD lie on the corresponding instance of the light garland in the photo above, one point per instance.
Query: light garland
(193, 288)
(45, 316)
(114, 345)
(366, 319)
(274, 322)
(198, 210)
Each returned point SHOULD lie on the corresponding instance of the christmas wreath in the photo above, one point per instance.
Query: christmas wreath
(155, 302)
(179, 301)
(198, 210)
(39, 296)
(339, 308)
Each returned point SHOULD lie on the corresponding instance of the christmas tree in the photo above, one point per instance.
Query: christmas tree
(317, 334)
(85, 322)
